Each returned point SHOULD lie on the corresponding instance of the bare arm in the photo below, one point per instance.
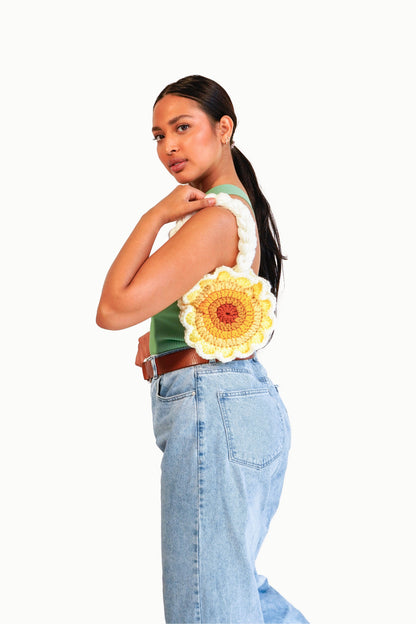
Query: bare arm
(138, 286)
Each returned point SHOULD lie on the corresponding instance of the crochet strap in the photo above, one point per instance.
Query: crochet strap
(247, 239)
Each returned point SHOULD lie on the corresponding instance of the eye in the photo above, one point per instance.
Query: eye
(157, 137)
(182, 127)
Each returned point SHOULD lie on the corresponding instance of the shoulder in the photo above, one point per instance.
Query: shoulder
(212, 233)
(213, 219)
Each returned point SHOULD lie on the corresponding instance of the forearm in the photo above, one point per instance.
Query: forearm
(135, 286)
(128, 262)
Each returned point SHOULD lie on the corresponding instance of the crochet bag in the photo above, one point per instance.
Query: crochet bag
(229, 313)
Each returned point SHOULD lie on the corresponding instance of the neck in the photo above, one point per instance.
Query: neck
(225, 174)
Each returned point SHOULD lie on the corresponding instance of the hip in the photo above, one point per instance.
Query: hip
(235, 401)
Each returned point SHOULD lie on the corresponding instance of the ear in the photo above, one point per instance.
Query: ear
(226, 127)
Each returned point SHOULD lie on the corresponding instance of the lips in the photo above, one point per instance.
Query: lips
(177, 165)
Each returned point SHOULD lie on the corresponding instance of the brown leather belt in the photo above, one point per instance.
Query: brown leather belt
(161, 364)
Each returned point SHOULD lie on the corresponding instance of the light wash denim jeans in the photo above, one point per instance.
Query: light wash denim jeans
(225, 437)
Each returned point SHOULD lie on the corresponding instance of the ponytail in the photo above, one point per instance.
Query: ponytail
(271, 263)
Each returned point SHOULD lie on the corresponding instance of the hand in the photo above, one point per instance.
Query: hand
(182, 201)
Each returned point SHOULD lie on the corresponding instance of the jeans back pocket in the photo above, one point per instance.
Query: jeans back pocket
(254, 425)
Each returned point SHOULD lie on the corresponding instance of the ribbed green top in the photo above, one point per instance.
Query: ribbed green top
(166, 330)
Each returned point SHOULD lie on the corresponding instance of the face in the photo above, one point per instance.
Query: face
(188, 142)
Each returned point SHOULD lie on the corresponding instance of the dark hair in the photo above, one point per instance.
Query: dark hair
(215, 102)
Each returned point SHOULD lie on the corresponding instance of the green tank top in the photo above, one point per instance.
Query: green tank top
(166, 330)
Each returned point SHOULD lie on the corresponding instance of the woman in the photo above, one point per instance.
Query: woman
(221, 425)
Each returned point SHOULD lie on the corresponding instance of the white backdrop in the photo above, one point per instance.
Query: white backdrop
(325, 96)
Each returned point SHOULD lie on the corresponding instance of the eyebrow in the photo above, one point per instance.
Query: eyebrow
(171, 121)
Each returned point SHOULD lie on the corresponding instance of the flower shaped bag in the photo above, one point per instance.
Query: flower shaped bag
(229, 313)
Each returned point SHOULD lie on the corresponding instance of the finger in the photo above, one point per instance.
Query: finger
(203, 203)
(193, 194)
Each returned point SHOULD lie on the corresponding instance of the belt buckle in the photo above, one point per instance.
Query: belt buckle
(149, 366)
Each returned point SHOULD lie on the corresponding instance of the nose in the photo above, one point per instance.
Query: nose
(170, 146)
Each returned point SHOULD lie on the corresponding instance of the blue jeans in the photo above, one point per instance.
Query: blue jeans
(225, 437)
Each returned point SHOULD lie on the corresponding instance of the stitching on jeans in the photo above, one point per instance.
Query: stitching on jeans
(223, 398)
(220, 371)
